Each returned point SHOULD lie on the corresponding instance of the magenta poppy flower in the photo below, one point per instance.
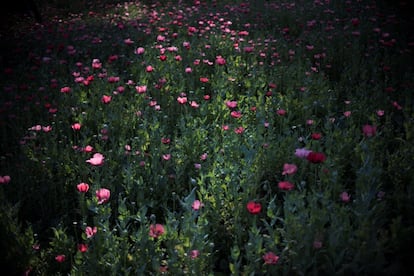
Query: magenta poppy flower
(5, 179)
(96, 160)
(369, 130)
(194, 254)
(286, 185)
(270, 258)
(156, 230)
(103, 195)
(253, 207)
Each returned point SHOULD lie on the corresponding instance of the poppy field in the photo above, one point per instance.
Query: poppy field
(208, 138)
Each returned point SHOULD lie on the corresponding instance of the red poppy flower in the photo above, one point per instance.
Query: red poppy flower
(316, 157)
(254, 207)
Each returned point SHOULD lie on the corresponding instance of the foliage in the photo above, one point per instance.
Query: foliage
(208, 138)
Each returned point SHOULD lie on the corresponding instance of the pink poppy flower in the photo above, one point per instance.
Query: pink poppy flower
(83, 187)
(90, 231)
(220, 60)
(76, 126)
(141, 89)
(194, 254)
(139, 51)
(82, 247)
(106, 99)
(345, 197)
(270, 258)
(289, 169)
(281, 112)
(231, 104)
(65, 89)
(96, 160)
(286, 185)
(60, 258)
(236, 114)
(197, 204)
(103, 195)
(5, 179)
(182, 100)
(156, 230)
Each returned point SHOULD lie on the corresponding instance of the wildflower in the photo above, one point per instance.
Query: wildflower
(317, 244)
(182, 100)
(345, 197)
(76, 126)
(82, 247)
(88, 148)
(139, 51)
(369, 130)
(5, 179)
(65, 89)
(204, 79)
(83, 187)
(149, 69)
(197, 166)
(96, 160)
(302, 153)
(156, 230)
(231, 104)
(236, 114)
(316, 157)
(90, 231)
(289, 169)
(286, 185)
(106, 99)
(270, 258)
(166, 156)
(239, 130)
(141, 89)
(254, 207)
(197, 204)
(220, 60)
(103, 195)
(281, 112)
(60, 258)
(194, 254)
(316, 136)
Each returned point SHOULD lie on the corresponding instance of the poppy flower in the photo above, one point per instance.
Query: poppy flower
(369, 130)
(316, 157)
(156, 230)
(254, 207)
(103, 195)
(60, 258)
(289, 169)
(286, 185)
(270, 258)
(83, 187)
(96, 160)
